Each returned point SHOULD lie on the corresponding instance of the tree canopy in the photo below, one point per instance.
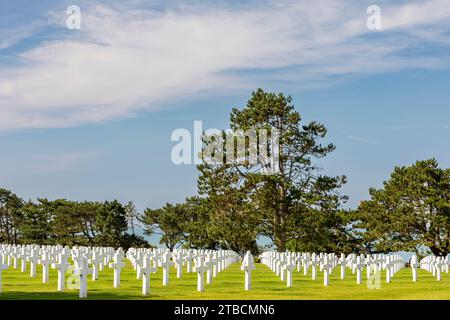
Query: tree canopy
(277, 205)
(411, 211)
(64, 222)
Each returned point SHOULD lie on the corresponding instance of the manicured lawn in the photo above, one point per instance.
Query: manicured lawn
(229, 284)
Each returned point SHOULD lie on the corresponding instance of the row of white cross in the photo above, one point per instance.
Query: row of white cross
(284, 264)
(146, 261)
(57, 257)
(91, 260)
(435, 265)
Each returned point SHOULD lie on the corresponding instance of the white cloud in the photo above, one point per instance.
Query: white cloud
(419, 13)
(126, 60)
(9, 37)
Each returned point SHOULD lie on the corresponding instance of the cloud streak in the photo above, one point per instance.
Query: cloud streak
(363, 140)
(131, 59)
(40, 164)
(56, 163)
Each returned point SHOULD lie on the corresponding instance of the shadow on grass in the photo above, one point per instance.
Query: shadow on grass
(12, 295)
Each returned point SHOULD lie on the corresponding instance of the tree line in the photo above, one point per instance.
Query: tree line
(297, 208)
(65, 222)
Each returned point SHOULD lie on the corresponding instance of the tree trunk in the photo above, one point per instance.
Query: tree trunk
(280, 229)
(282, 241)
(280, 222)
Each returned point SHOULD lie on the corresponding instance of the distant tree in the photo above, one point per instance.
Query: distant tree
(132, 216)
(65, 225)
(411, 211)
(86, 219)
(133, 241)
(168, 221)
(36, 223)
(233, 221)
(10, 216)
(75, 222)
(65, 222)
(111, 224)
(280, 200)
(324, 231)
(197, 224)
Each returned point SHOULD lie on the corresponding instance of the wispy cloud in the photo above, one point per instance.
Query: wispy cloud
(363, 140)
(59, 162)
(10, 37)
(46, 163)
(127, 59)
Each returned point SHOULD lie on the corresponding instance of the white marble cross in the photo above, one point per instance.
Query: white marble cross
(33, 258)
(147, 268)
(214, 264)
(23, 256)
(117, 265)
(438, 265)
(388, 266)
(282, 263)
(289, 267)
(306, 261)
(178, 259)
(359, 268)
(101, 258)
(298, 261)
(414, 265)
(200, 268)
(313, 264)
(277, 263)
(2, 267)
(222, 261)
(166, 264)
(45, 262)
(62, 266)
(342, 262)
(83, 271)
(15, 256)
(326, 266)
(95, 262)
(248, 265)
(189, 257)
(446, 264)
(138, 263)
(209, 264)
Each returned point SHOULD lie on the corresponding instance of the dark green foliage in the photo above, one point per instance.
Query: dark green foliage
(10, 216)
(168, 221)
(64, 222)
(297, 205)
(410, 212)
(133, 241)
(36, 224)
(111, 223)
(198, 224)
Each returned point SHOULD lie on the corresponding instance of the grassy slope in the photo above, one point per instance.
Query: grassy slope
(229, 285)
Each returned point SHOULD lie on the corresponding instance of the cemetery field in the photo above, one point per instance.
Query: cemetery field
(228, 285)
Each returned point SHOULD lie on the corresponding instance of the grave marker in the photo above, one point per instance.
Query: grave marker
(248, 265)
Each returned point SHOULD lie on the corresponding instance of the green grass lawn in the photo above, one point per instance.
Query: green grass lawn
(229, 284)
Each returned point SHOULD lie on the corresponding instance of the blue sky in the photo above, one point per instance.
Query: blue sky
(87, 114)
